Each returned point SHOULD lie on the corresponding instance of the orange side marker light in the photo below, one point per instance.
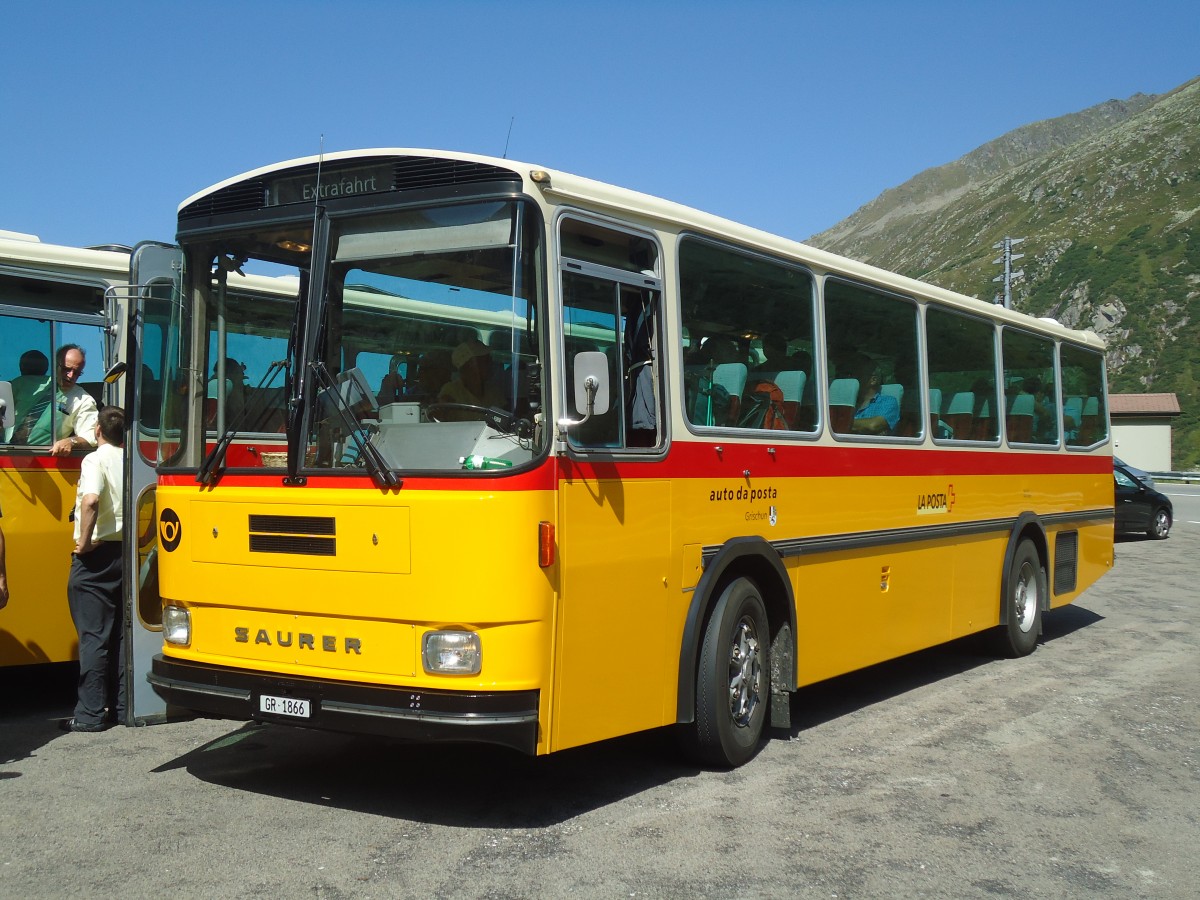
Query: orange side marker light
(545, 544)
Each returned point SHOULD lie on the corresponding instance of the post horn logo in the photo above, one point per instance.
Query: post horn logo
(169, 530)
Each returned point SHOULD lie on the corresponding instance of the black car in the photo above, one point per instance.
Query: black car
(1138, 474)
(1141, 509)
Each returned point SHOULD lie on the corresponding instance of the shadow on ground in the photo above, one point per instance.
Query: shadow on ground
(490, 787)
(33, 700)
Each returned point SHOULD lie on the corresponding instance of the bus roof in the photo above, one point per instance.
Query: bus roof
(27, 252)
(559, 186)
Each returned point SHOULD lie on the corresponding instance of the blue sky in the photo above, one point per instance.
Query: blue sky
(784, 115)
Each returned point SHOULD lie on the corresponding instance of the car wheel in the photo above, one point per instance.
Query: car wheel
(1160, 524)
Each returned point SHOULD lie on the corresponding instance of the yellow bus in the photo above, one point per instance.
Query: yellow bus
(50, 295)
(556, 461)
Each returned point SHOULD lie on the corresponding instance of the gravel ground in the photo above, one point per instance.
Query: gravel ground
(1070, 773)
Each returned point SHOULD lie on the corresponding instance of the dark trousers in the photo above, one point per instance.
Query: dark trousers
(98, 610)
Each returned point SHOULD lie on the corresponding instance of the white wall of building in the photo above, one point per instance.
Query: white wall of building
(1145, 443)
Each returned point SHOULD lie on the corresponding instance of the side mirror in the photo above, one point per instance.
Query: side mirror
(114, 373)
(591, 386)
(591, 382)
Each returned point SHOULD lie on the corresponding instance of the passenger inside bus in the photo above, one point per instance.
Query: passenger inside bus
(776, 359)
(474, 385)
(875, 412)
(76, 426)
(1045, 428)
(434, 371)
(31, 394)
(713, 380)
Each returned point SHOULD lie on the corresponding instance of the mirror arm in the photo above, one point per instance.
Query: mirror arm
(591, 385)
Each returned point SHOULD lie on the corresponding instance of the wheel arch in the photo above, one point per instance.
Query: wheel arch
(1027, 527)
(754, 558)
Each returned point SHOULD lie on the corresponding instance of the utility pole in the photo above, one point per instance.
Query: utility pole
(1008, 276)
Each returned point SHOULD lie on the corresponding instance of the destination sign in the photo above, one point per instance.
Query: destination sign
(340, 183)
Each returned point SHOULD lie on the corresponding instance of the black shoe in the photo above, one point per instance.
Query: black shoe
(72, 725)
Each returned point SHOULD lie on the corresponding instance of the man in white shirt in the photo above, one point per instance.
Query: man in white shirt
(94, 586)
(77, 409)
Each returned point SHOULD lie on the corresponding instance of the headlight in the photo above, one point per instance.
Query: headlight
(177, 625)
(452, 653)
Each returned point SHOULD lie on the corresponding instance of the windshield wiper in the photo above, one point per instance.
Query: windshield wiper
(211, 469)
(384, 476)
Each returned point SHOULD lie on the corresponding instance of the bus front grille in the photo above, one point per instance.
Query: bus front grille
(301, 535)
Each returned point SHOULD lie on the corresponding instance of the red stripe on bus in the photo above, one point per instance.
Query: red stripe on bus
(40, 460)
(695, 460)
(541, 478)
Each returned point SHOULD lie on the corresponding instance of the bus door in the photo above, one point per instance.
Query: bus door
(613, 668)
(154, 362)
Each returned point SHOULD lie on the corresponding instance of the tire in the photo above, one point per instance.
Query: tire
(1025, 594)
(733, 679)
(1160, 524)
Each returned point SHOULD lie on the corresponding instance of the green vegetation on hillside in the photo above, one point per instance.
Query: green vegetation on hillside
(1108, 201)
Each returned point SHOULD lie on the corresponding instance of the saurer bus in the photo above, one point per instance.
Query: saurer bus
(538, 461)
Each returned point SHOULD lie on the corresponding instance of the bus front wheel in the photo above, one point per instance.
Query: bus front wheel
(1024, 597)
(732, 679)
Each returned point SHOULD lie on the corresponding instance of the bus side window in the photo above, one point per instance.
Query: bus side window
(611, 305)
(872, 338)
(750, 326)
(591, 322)
(26, 362)
(962, 376)
(1032, 404)
(1084, 417)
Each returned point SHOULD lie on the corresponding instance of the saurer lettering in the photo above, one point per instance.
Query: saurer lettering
(302, 640)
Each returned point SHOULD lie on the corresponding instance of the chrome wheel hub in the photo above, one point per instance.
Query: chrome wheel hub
(745, 673)
(1025, 598)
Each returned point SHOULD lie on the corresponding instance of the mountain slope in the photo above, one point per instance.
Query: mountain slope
(1108, 201)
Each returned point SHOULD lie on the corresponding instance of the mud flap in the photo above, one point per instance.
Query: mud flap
(782, 667)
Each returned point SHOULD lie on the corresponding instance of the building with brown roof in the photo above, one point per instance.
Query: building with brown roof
(1141, 425)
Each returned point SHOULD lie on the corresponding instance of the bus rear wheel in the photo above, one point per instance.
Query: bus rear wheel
(732, 679)
(1024, 598)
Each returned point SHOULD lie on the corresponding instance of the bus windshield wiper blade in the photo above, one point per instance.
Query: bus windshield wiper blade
(211, 469)
(384, 475)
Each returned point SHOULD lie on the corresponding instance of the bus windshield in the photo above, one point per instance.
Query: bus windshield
(425, 341)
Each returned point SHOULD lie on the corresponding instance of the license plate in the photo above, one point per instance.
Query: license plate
(285, 706)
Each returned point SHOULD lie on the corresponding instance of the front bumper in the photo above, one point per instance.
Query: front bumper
(508, 718)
